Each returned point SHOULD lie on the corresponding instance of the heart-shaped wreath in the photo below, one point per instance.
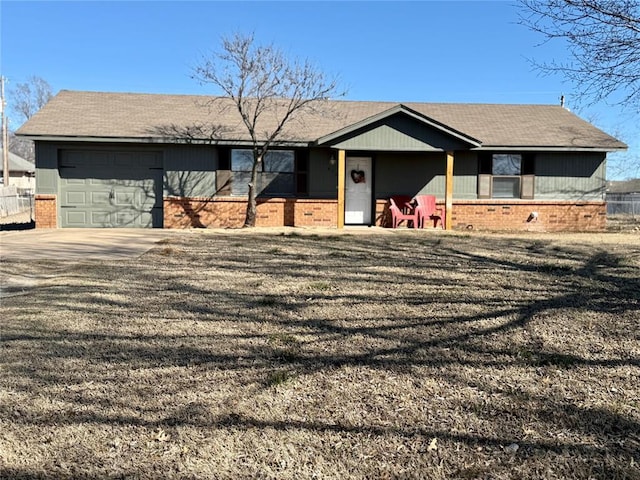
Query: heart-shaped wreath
(357, 176)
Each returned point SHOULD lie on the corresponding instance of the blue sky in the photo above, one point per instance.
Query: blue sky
(398, 51)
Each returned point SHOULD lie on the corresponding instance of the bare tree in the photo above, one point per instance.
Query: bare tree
(30, 96)
(22, 147)
(25, 100)
(268, 89)
(603, 38)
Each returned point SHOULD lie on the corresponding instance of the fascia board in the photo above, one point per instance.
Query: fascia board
(530, 148)
(155, 140)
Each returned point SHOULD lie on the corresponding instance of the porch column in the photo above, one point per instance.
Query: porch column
(341, 170)
(448, 192)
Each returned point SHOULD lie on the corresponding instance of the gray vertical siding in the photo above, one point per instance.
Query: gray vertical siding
(465, 176)
(47, 176)
(425, 174)
(323, 177)
(570, 176)
(409, 174)
(398, 133)
(190, 171)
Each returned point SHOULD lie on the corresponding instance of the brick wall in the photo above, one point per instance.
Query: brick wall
(315, 213)
(229, 212)
(551, 216)
(46, 211)
(490, 215)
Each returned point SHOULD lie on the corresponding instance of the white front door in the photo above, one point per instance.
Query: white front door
(357, 191)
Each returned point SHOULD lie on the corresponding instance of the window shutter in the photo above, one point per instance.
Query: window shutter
(224, 180)
(528, 164)
(528, 187)
(484, 186)
(484, 163)
(302, 168)
(224, 160)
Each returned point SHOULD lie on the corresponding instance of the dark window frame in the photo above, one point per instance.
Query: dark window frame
(299, 174)
(487, 177)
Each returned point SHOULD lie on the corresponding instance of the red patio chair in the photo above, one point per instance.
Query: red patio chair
(427, 209)
(402, 209)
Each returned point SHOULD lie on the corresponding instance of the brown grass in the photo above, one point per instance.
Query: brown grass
(411, 355)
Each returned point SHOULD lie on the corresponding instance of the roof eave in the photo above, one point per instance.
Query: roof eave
(157, 140)
(548, 148)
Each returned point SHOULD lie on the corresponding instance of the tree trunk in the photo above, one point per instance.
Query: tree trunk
(250, 217)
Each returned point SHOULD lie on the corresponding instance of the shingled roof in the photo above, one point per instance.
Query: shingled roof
(149, 117)
(17, 163)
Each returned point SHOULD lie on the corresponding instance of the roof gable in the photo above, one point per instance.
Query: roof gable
(398, 128)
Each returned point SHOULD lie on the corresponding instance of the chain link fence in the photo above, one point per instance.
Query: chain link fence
(16, 205)
(623, 204)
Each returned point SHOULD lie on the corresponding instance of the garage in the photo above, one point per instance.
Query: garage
(110, 188)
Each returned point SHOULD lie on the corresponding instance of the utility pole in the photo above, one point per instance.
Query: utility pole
(5, 136)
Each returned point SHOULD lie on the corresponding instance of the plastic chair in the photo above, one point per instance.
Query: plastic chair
(401, 209)
(427, 209)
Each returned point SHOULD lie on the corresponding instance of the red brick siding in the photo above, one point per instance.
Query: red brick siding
(46, 211)
(227, 212)
(315, 213)
(490, 215)
(552, 216)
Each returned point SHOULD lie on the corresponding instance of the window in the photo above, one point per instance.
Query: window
(506, 170)
(278, 175)
(506, 164)
(505, 175)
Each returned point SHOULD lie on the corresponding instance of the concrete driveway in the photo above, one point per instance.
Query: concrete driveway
(76, 244)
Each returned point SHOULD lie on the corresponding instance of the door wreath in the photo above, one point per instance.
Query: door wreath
(357, 176)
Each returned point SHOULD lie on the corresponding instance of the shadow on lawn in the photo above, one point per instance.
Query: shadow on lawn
(443, 320)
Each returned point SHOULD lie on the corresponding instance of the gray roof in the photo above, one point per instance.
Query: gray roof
(17, 163)
(624, 186)
(152, 117)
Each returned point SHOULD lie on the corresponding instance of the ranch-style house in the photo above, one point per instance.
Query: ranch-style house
(180, 161)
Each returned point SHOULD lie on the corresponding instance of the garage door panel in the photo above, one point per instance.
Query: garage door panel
(128, 218)
(146, 202)
(76, 218)
(75, 198)
(111, 189)
(99, 198)
(100, 182)
(124, 198)
(101, 219)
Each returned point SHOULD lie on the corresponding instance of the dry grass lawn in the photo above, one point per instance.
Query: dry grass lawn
(410, 355)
